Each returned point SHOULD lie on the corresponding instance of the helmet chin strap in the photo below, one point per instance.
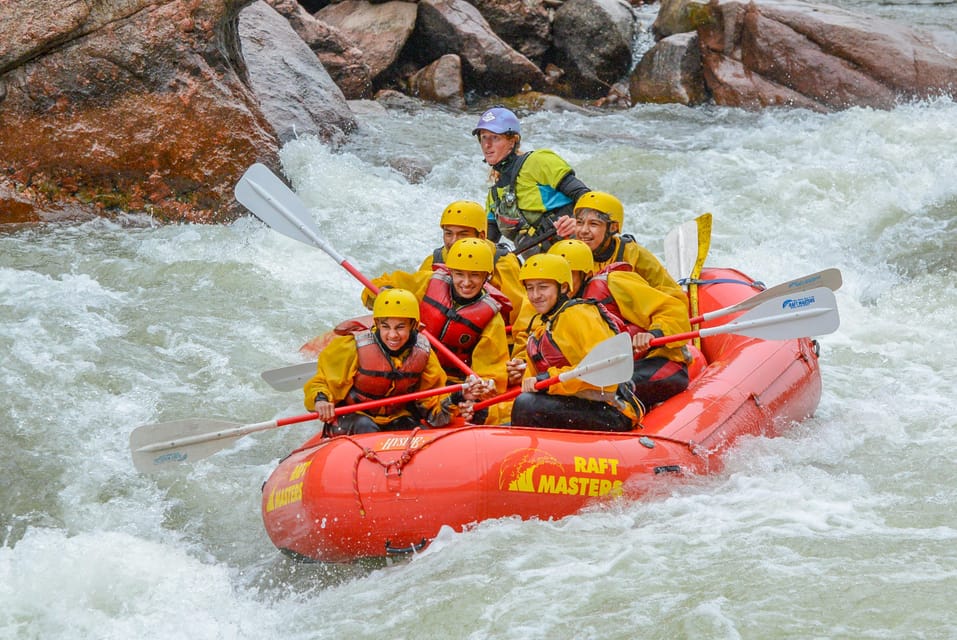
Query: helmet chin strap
(604, 249)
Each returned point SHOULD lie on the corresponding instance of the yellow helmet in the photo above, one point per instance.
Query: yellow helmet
(546, 266)
(396, 303)
(465, 213)
(470, 254)
(577, 253)
(603, 203)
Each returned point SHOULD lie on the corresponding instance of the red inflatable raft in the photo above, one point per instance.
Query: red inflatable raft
(380, 494)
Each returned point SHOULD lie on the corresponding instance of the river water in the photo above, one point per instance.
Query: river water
(846, 527)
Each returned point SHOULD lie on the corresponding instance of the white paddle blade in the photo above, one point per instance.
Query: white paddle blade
(290, 378)
(609, 363)
(681, 250)
(154, 446)
(269, 199)
(829, 278)
(808, 313)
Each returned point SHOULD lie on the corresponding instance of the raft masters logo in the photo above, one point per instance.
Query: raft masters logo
(290, 493)
(798, 303)
(535, 471)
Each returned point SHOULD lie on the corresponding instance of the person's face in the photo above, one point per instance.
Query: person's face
(468, 284)
(495, 146)
(394, 332)
(591, 228)
(542, 294)
(451, 233)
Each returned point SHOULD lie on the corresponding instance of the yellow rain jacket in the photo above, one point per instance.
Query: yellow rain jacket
(576, 329)
(649, 308)
(337, 367)
(646, 265)
(504, 278)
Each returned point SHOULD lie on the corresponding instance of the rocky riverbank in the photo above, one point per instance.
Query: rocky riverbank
(146, 105)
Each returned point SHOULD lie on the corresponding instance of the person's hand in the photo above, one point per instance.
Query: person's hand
(528, 385)
(566, 226)
(466, 410)
(516, 370)
(477, 389)
(326, 411)
(641, 343)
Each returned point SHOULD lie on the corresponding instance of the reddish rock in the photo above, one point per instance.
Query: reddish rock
(440, 82)
(670, 72)
(817, 56)
(129, 106)
(378, 30)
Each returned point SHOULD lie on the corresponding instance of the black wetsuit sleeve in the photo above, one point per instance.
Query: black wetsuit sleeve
(572, 187)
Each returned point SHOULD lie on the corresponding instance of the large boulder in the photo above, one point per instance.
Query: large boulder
(440, 82)
(761, 53)
(489, 64)
(337, 52)
(670, 72)
(524, 24)
(295, 93)
(380, 30)
(132, 105)
(593, 39)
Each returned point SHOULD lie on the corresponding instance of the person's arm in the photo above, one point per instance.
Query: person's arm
(415, 282)
(505, 279)
(576, 335)
(432, 407)
(334, 372)
(491, 353)
(572, 187)
(649, 267)
(655, 311)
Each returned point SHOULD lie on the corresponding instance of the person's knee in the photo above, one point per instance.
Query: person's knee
(353, 423)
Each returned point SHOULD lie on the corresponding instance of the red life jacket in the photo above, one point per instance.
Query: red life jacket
(544, 352)
(377, 377)
(458, 327)
(596, 288)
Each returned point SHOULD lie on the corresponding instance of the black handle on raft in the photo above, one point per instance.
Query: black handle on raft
(412, 548)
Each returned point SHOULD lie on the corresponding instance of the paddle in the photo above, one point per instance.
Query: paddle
(291, 377)
(610, 362)
(686, 248)
(809, 313)
(830, 278)
(163, 443)
(295, 376)
(270, 200)
(812, 313)
(157, 445)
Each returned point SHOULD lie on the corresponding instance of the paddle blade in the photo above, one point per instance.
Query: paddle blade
(609, 363)
(290, 378)
(681, 250)
(270, 200)
(809, 313)
(686, 247)
(154, 446)
(829, 278)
